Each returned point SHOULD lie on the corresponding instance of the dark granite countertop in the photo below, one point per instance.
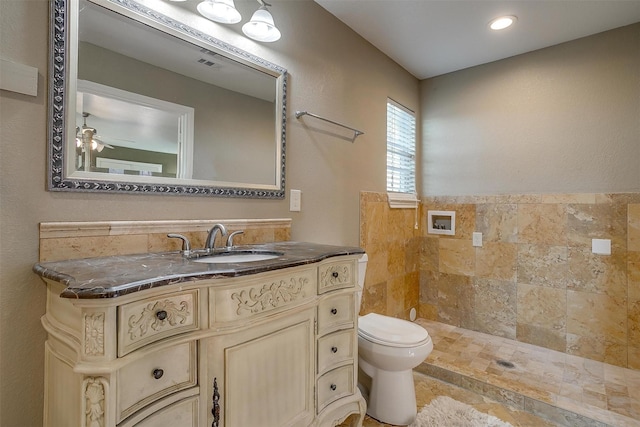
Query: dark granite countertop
(110, 277)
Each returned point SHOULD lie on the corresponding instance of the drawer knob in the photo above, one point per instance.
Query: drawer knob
(335, 274)
(334, 311)
(333, 387)
(161, 315)
(157, 373)
(334, 349)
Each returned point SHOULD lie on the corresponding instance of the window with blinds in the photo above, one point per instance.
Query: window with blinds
(401, 149)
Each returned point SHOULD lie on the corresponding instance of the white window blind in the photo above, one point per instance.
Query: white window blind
(401, 149)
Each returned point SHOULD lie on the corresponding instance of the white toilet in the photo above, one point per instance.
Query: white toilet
(388, 350)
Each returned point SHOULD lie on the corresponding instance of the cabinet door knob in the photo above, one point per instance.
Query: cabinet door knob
(334, 311)
(158, 373)
(161, 315)
(335, 274)
(334, 349)
(333, 387)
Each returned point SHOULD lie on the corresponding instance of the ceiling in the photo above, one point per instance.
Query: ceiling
(433, 37)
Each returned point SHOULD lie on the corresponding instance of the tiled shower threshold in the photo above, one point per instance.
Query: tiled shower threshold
(564, 389)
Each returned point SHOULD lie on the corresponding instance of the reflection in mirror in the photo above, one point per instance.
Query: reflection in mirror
(146, 111)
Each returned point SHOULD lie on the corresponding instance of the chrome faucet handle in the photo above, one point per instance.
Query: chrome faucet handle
(231, 236)
(186, 245)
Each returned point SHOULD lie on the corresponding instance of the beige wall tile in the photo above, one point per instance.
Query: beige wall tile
(535, 279)
(544, 337)
(497, 222)
(633, 357)
(374, 298)
(569, 198)
(428, 311)
(597, 348)
(412, 290)
(497, 260)
(455, 298)
(543, 265)
(596, 315)
(633, 239)
(377, 266)
(597, 273)
(396, 258)
(633, 310)
(429, 287)
(430, 254)
(456, 257)
(395, 296)
(599, 221)
(544, 224)
(91, 247)
(376, 222)
(494, 307)
(413, 254)
(542, 307)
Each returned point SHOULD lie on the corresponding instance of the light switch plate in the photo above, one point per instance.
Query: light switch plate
(477, 239)
(601, 246)
(295, 201)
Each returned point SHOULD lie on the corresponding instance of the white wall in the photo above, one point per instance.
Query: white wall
(333, 72)
(564, 119)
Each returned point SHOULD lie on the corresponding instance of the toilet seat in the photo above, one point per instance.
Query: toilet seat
(390, 331)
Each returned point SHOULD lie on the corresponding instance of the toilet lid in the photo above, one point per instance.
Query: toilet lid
(390, 330)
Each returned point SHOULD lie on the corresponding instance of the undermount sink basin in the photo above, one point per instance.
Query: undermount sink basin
(236, 257)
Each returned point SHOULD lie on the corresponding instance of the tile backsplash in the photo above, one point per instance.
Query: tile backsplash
(535, 278)
(73, 240)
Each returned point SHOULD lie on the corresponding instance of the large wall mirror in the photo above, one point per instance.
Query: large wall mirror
(141, 102)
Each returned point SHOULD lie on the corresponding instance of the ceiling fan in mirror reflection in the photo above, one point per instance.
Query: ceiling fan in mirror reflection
(86, 136)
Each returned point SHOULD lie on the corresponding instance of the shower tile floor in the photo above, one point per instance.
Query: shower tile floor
(544, 388)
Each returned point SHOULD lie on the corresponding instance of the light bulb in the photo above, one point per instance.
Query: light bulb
(223, 11)
(261, 27)
(502, 22)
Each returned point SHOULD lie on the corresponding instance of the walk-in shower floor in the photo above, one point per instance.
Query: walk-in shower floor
(565, 389)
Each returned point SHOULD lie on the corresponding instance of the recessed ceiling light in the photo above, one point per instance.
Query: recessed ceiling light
(502, 22)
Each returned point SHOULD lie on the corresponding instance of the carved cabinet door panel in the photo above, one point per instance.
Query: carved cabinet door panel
(264, 375)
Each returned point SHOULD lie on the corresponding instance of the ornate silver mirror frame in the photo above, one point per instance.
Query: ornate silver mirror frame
(63, 91)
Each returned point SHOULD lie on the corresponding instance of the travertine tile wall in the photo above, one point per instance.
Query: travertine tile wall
(535, 279)
(393, 245)
(73, 240)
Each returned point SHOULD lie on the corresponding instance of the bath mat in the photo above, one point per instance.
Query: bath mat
(446, 412)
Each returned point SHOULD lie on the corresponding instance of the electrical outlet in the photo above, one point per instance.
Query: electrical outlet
(477, 239)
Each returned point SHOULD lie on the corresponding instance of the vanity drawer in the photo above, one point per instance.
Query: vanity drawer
(335, 349)
(333, 385)
(271, 293)
(155, 375)
(143, 322)
(336, 312)
(336, 275)
(180, 414)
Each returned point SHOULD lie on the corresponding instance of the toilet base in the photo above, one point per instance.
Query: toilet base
(391, 396)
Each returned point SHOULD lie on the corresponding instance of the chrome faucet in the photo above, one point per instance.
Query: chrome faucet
(210, 244)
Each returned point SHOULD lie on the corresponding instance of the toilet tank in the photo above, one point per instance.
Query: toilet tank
(362, 270)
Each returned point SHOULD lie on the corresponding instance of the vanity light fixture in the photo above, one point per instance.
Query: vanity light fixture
(502, 22)
(261, 26)
(223, 11)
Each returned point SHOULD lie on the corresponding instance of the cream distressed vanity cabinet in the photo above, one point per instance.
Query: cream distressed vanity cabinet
(273, 347)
